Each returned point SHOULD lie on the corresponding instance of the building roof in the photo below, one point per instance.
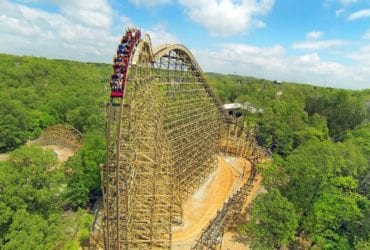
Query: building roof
(229, 106)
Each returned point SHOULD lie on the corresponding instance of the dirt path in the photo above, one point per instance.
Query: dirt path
(203, 205)
(4, 157)
(63, 153)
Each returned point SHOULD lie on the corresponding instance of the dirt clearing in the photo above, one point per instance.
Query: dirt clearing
(4, 157)
(62, 153)
(203, 205)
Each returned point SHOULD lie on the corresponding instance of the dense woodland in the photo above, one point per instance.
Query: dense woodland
(42, 202)
(317, 181)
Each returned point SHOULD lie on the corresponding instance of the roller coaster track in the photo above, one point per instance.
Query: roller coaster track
(162, 139)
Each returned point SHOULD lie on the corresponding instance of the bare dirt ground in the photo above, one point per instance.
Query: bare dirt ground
(63, 153)
(203, 205)
(4, 157)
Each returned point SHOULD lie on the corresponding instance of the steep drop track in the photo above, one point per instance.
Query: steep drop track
(165, 127)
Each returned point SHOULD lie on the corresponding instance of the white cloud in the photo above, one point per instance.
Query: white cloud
(97, 13)
(340, 2)
(366, 35)
(347, 2)
(31, 31)
(81, 34)
(227, 17)
(362, 56)
(314, 35)
(149, 3)
(125, 20)
(341, 6)
(340, 12)
(359, 14)
(159, 35)
(273, 63)
(82, 31)
(313, 42)
(324, 44)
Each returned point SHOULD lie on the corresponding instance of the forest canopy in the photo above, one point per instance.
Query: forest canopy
(317, 182)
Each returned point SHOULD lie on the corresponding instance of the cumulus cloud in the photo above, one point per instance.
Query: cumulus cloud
(344, 3)
(364, 13)
(324, 44)
(366, 35)
(313, 42)
(362, 56)
(347, 2)
(96, 13)
(149, 3)
(227, 17)
(81, 30)
(159, 35)
(273, 63)
(340, 12)
(314, 35)
(340, 5)
(78, 31)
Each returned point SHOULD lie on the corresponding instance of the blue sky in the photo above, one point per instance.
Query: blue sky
(324, 42)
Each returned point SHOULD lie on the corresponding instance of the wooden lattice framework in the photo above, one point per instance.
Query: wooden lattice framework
(162, 140)
(62, 135)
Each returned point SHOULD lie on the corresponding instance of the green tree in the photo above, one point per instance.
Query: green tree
(361, 138)
(336, 215)
(273, 221)
(29, 182)
(6, 214)
(344, 110)
(31, 231)
(313, 164)
(34, 179)
(13, 124)
(83, 170)
(279, 125)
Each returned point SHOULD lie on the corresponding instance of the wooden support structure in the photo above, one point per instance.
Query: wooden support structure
(162, 139)
(62, 135)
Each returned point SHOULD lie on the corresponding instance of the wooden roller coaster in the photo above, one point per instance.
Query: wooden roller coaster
(62, 135)
(165, 127)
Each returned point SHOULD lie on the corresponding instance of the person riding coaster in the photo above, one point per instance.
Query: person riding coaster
(117, 76)
(137, 34)
(117, 60)
(125, 39)
(121, 61)
(119, 69)
(117, 84)
(123, 46)
(128, 33)
(124, 53)
(116, 68)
